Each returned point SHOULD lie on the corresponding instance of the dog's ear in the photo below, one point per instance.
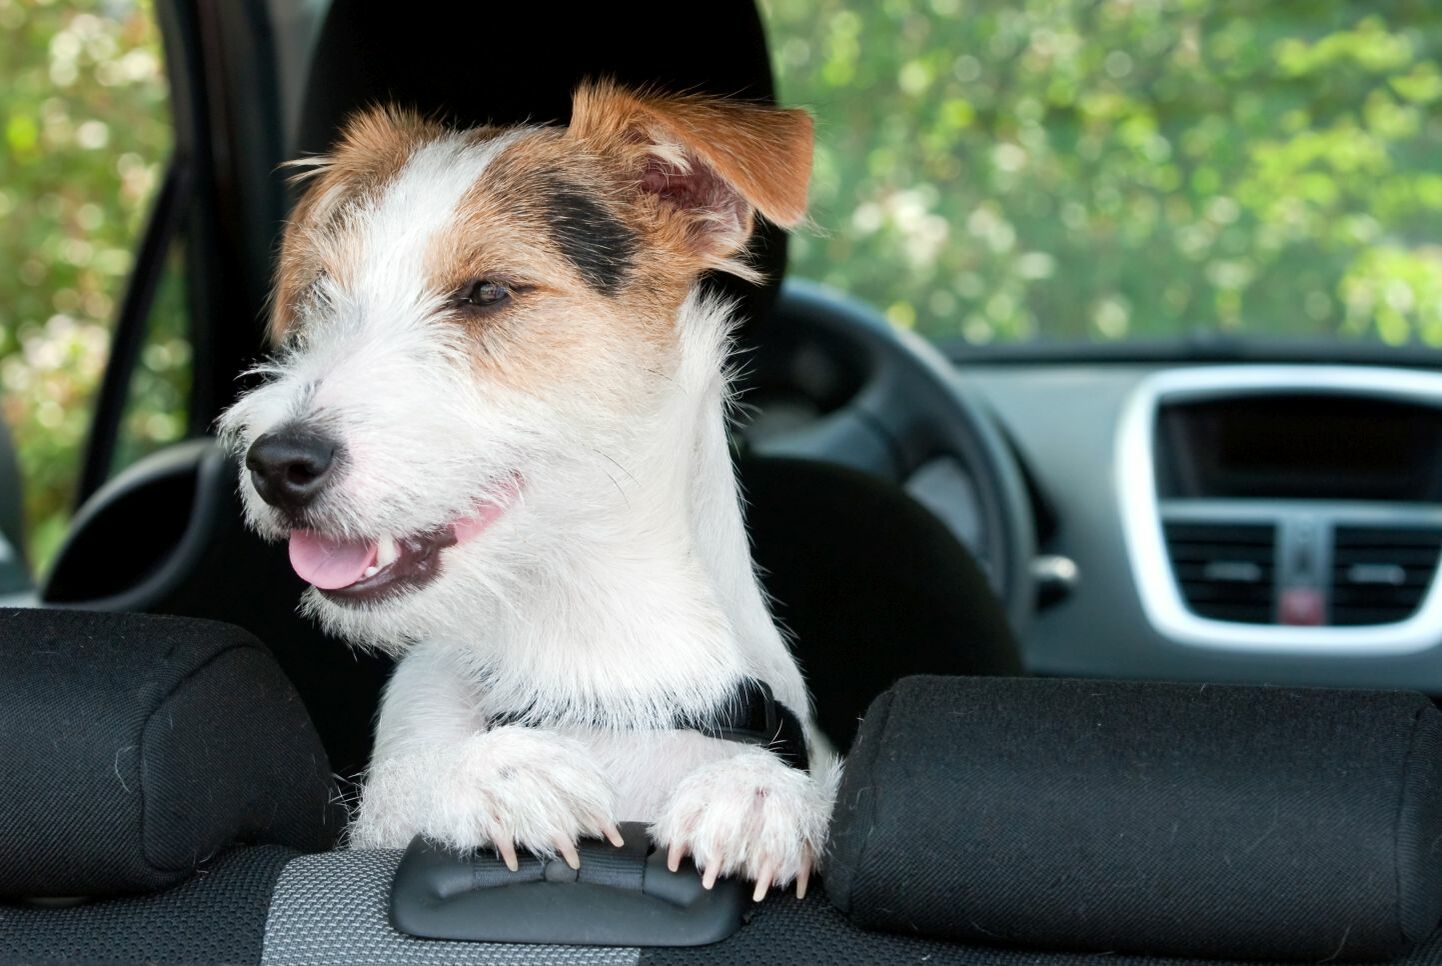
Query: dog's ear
(705, 165)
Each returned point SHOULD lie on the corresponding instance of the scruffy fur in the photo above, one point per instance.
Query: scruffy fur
(615, 594)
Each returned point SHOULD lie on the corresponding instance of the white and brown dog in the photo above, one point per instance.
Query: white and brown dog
(494, 433)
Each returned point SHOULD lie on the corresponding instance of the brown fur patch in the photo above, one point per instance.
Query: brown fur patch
(559, 319)
(373, 146)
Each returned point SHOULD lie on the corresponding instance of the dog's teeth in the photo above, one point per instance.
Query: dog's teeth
(372, 571)
(386, 552)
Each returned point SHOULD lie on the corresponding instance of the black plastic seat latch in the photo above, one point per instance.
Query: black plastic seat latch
(619, 897)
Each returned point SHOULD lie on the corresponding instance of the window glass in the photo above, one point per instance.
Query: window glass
(1105, 170)
(86, 132)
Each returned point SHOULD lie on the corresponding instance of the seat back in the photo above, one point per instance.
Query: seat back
(871, 586)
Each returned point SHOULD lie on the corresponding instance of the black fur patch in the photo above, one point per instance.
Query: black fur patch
(594, 240)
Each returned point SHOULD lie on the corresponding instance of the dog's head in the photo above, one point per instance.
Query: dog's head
(464, 317)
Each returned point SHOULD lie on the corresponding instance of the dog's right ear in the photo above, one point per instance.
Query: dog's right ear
(373, 145)
(703, 166)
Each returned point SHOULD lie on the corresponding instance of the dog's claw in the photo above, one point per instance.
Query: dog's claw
(674, 856)
(613, 835)
(507, 850)
(763, 883)
(568, 852)
(709, 879)
(803, 877)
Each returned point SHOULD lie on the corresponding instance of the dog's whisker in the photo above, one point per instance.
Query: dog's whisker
(612, 460)
(620, 490)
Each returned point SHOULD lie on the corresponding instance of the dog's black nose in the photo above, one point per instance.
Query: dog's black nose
(290, 466)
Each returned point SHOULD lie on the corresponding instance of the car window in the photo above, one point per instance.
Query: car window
(86, 136)
(1111, 170)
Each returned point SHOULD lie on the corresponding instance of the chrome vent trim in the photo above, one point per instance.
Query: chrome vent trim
(1141, 512)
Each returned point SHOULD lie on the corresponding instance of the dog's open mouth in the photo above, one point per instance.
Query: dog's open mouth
(356, 571)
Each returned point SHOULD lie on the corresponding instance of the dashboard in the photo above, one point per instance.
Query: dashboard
(1262, 522)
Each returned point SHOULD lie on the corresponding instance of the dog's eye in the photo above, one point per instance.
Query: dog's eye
(484, 294)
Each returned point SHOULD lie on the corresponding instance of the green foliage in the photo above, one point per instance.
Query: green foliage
(84, 132)
(986, 169)
(1125, 169)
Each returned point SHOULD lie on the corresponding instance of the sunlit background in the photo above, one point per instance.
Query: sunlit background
(993, 172)
(86, 135)
(1125, 169)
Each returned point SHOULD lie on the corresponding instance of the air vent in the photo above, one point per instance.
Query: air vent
(1225, 570)
(1380, 574)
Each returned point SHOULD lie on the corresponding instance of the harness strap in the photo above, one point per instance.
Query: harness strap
(751, 715)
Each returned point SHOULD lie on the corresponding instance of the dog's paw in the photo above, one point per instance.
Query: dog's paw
(752, 815)
(505, 788)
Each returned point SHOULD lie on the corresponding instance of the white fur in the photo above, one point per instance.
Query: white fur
(532, 787)
(750, 813)
(615, 594)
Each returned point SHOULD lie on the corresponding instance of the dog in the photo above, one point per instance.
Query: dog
(494, 432)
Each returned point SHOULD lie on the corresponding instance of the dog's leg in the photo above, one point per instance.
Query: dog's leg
(753, 815)
(438, 772)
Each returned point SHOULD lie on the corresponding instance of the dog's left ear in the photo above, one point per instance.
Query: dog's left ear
(703, 166)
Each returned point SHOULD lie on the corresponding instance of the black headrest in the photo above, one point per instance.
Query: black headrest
(471, 63)
(138, 748)
(1186, 820)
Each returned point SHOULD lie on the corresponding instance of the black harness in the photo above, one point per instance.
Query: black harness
(751, 715)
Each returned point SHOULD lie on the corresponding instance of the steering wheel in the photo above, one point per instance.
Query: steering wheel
(834, 381)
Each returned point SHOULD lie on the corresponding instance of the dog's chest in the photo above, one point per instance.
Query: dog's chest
(646, 766)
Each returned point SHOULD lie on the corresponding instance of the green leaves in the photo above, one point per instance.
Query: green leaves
(986, 170)
(1177, 165)
(85, 132)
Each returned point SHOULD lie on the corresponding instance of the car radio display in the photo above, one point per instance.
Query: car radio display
(1322, 446)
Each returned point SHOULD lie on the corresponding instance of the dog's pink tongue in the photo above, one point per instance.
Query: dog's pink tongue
(329, 563)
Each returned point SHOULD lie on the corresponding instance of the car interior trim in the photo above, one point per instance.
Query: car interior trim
(1143, 513)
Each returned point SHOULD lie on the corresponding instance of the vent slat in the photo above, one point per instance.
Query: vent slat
(1212, 593)
(1211, 568)
(1389, 536)
(1407, 556)
(1380, 574)
(1259, 534)
(1348, 577)
(1377, 596)
(1225, 571)
(1205, 553)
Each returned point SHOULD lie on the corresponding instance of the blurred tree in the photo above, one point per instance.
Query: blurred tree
(85, 130)
(1125, 169)
(986, 170)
